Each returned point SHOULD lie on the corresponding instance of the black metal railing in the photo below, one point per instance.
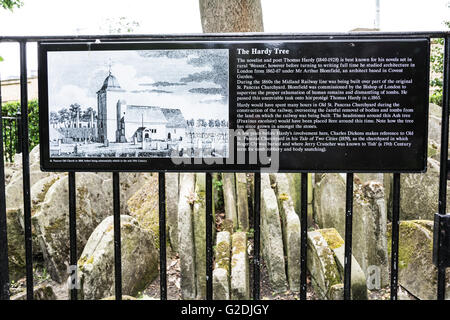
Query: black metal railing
(24, 148)
(10, 136)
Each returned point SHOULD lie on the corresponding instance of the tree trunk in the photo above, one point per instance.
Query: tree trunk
(231, 16)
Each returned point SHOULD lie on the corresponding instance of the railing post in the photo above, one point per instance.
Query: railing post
(348, 237)
(26, 168)
(117, 237)
(443, 158)
(209, 235)
(73, 236)
(4, 270)
(19, 131)
(303, 235)
(256, 237)
(162, 237)
(395, 235)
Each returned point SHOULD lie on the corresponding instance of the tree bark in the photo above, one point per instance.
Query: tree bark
(231, 16)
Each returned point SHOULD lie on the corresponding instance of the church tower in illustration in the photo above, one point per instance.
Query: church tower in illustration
(107, 97)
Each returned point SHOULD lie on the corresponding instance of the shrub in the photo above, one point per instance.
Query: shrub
(10, 110)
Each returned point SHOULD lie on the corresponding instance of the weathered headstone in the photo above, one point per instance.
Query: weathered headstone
(96, 264)
(419, 193)
(329, 202)
(242, 201)
(291, 229)
(144, 207)
(16, 244)
(358, 279)
(199, 220)
(221, 285)
(416, 271)
(229, 198)
(186, 247)
(51, 220)
(272, 236)
(221, 273)
(369, 219)
(172, 187)
(240, 286)
(321, 265)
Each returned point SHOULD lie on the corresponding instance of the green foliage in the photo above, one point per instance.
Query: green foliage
(217, 185)
(437, 68)
(11, 4)
(10, 110)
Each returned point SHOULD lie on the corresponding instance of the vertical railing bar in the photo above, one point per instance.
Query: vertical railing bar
(443, 157)
(73, 235)
(257, 236)
(16, 137)
(162, 237)
(7, 137)
(209, 236)
(26, 169)
(8, 150)
(19, 131)
(117, 239)
(4, 270)
(10, 141)
(14, 147)
(395, 235)
(348, 237)
(4, 137)
(303, 235)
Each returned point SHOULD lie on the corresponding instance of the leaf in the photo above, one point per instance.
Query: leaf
(1, 59)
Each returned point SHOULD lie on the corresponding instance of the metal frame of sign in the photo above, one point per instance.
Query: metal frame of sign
(381, 161)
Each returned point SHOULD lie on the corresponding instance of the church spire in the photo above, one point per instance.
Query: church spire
(109, 65)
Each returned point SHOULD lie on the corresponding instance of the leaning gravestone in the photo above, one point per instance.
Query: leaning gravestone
(369, 219)
(416, 271)
(242, 201)
(186, 235)
(96, 264)
(221, 272)
(358, 287)
(143, 206)
(321, 265)
(14, 190)
(16, 244)
(272, 236)
(229, 198)
(329, 202)
(199, 221)
(172, 187)
(240, 271)
(419, 193)
(291, 229)
(51, 220)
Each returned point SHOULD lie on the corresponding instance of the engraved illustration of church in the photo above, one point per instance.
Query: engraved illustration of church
(122, 127)
(120, 122)
(151, 104)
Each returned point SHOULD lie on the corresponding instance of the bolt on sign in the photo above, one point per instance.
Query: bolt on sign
(204, 103)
